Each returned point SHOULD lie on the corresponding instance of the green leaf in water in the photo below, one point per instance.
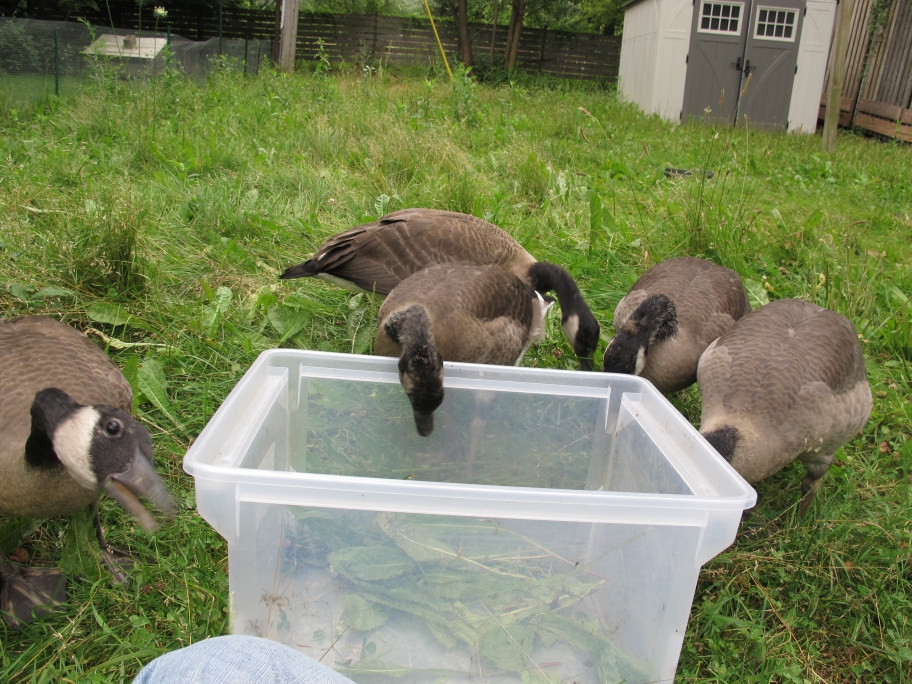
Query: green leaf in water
(371, 562)
(360, 614)
(416, 540)
(376, 667)
(507, 647)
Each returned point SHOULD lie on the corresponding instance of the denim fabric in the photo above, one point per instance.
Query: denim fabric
(237, 660)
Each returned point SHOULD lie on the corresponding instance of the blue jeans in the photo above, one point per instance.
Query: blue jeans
(237, 660)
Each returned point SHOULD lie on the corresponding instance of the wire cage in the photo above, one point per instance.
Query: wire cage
(40, 58)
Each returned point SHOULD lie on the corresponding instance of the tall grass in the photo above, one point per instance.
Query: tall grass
(167, 243)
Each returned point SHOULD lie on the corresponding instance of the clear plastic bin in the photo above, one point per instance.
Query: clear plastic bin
(570, 553)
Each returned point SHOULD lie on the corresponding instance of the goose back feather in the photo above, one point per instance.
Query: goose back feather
(669, 317)
(786, 381)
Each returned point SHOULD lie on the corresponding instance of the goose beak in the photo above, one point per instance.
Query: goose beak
(424, 423)
(140, 480)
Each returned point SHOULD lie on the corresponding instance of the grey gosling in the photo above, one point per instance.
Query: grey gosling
(786, 381)
(462, 313)
(66, 435)
(669, 317)
(377, 256)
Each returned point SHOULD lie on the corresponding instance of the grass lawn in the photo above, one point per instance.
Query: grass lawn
(159, 217)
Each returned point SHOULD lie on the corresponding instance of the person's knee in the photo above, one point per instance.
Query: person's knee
(237, 659)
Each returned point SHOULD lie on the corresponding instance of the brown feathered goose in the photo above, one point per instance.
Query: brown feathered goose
(669, 317)
(786, 381)
(462, 313)
(66, 435)
(377, 256)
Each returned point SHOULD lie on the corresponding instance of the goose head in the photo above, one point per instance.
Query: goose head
(420, 364)
(725, 440)
(582, 330)
(103, 448)
(654, 320)
(421, 375)
(577, 321)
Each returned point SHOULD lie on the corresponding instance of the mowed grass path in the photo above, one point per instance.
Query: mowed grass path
(160, 215)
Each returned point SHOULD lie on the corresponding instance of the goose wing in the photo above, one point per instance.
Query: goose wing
(379, 255)
(708, 298)
(794, 367)
(492, 319)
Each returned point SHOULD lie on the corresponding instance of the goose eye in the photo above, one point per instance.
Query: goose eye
(113, 428)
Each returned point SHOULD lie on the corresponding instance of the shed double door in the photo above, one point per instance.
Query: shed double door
(742, 61)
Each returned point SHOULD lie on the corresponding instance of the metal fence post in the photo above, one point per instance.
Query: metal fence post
(220, 27)
(57, 63)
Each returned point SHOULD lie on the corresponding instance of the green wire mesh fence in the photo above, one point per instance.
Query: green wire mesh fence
(41, 58)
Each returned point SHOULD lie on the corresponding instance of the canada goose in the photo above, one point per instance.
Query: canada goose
(376, 256)
(453, 312)
(66, 435)
(786, 381)
(669, 317)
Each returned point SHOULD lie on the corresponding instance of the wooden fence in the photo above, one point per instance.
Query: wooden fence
(396, 40)
(877, 90)
(347, 37)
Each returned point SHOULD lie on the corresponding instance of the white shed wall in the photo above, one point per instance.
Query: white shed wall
(674, 44)
(653, 55)
(813, 52)
(639, 51)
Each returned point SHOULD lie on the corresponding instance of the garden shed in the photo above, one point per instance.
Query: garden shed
(728, 61)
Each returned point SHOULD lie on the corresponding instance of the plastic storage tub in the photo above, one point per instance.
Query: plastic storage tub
(569, 553)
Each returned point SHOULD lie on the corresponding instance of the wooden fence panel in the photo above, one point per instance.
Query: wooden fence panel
(348, 37)
(877, 95)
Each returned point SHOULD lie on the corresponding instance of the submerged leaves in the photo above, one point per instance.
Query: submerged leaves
(476, 586)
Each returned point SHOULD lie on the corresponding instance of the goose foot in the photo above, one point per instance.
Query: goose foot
(452, 452)
(476, 432)
(809, 487)
(816, 465)
(118, 563)
(484, 401)
(27, 593)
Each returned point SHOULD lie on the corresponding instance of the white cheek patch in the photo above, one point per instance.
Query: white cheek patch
(72, 441)
(571, 327)
(640, 362)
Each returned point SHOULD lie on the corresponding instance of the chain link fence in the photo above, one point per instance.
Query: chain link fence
(42, 58)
